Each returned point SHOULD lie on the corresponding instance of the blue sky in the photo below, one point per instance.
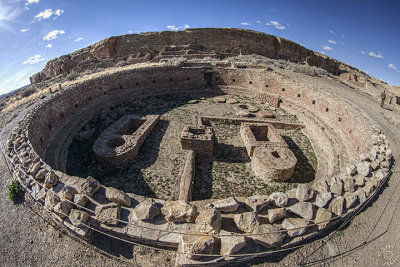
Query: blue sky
(362, 33)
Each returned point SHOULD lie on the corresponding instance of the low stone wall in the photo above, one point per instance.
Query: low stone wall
(279, 219)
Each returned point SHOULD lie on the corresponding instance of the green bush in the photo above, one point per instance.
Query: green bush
(13, 190)
(72, 76)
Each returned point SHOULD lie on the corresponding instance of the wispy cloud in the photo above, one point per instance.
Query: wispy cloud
(373, 54)
(331, 32)
(393, 67)
(49, 46)
(48, 13)
(332, 42)
(174, 28)
(24, 30)
(258, 22)
(363, 53)
(276, 24)
(53, 35)
(33, 60)
(245, 23)
(29, 2)
(78, 39)
(327, 48)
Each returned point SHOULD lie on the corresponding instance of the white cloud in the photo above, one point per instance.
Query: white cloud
(392, 67)
(363, 53)
(78, 39)
(31, 2)
(327, 48)
(33, 60)
(49, 46)
(48, 13)
(130, 31)
(53, 35)
(245, 23)
(331, 32)
(372, 54)
(24, 30)
(332, 42)
(276, 24)
(258, 22)
(174, 28)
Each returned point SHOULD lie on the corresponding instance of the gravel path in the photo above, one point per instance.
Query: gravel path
(371, 239)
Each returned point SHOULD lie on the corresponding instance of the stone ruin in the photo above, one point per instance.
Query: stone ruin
(210, 230)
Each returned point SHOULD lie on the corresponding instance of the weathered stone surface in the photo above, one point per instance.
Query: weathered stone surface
(230, 244)
(351, 169)
(34, 168)
(258, 202)
(179, 211)
(265, 114)
(364, 157)
(295, 226)
(321, 186)
(322, 200)
(303, 209)
(276, 214)
(304, 193)
(219, 99)
(51, 200)
(364, 168)
(337, 205)
(90, 186)
(247, 221)
(232, 101)
(68, 192)
(322, 218)
(359, 180)
(336, 186)
(193, 244)
(243, 114)
(40, 174)
(78, 217)
(361, 195)
(108, 214)
(372, 154)
(225, 205)
(117, 196)
(209, 221)
(279, 199)
(63, 208)
(80, 200)
(268, 236)
(379, 175)
(369, 188)
(51, 179)
(147, 209)
(348, 184)
(252, 108)
(350, 199)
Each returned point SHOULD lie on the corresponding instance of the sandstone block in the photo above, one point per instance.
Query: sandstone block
(225, 205)
(322, 218)
(295, 226)
(179, 211)
(147, 209)
(350, 199)
(247, 221)
(303, 209)
(258, 202)
(80, 200)
(90, 186)
(364, 168)
(279, 199)
(304, 193)
(40, 174)
(78, 217)
(51, 179)
(337, 205)
(276, 214)
(118, 197)
(268, 236)
(63, 208)
(336, 186)
(209, 221)
(68, 192)
(231, 244)
(193, 244)
(51, 200)
(322, 200)
(108, 214)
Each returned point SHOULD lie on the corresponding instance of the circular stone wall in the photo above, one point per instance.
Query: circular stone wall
(349, 168)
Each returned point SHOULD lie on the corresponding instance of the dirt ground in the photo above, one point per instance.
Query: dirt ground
(371, 239)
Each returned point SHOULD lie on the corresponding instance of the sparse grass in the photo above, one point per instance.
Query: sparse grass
(72, 76)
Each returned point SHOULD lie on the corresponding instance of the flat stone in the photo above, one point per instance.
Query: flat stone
(351, 199)
(337, 205)
(193, 244)
(63, 208)
(219, 99)
(118, 197)
(147, 209)
(304, 193)
(364, 168)
(351, 169)
(252, 108)
(276, 214)
(336, 186)
(193, 101)
(265, 114)
(322, 199)
(108, 214)
(80, 200)
(279, 199)
(51, 200)
(247, 221)
(268, 236)
(179, 211)
(321, 186)
(225, 205)
(90, 186)
(40, 174)
(230, 244)
(379, 175)
(232, 101)
(359, 180)
(303, 209)
(243, 114)
(209, 221)
(348, 184)
(78, 217)
(68, 192)
(258, 202)
(322, 218)
(295, 226)
(51, 179)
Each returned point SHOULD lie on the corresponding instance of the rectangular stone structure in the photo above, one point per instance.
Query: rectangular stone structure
(199, 139)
